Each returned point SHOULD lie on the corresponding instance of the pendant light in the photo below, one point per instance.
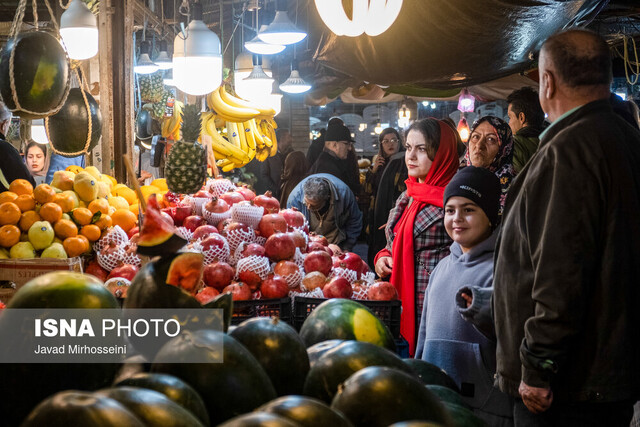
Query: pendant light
(372, 17)
(163, 61)
(466, 101)
(257, 85)
(259, 47)
(295, 83)
(38, 132)
(145, 65)
(463, 129)
(79, 31)
(282, 31)
(404, 114)
(197, 57)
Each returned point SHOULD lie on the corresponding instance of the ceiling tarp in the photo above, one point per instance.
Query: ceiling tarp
(445, 44)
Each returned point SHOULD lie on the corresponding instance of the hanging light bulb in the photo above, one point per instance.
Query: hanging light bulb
(259, 47)
(466, 101)
(242, 69)
(404, 114)
(282, 31)
(372, 17)
(79, 31)
(197, 57)
(145, 65)
(295, 83)
(463, 129)
(38, 132)
(257, 85)
(378, 129)
(163, 61)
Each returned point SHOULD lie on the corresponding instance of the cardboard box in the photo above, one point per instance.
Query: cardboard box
(16, 272)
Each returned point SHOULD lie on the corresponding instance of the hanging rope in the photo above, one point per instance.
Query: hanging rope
(34, 6)
(244, 9)
(628, 65)
(63, 6)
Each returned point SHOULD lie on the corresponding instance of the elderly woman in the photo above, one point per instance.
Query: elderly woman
(491, 147)
(37, 161)
(416, 237)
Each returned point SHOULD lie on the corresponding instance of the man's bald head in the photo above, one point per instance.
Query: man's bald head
(579, 58)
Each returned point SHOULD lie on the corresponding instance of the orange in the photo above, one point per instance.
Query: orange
(103, 222)
(124, 218)
(27, 219)
(75, 246)
(65, 201)
(65, 228)
(51, 212)
(7, 196)
(85, 240)
(25, 202)
(99, 205)
(21, 186)
(9, 235)
(91, 232)
(9, 213)
(82, 216)
(134, 208)
(44, 193)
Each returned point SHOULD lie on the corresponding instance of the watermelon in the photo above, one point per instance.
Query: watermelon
(259, 419)
(345, 319)
(463, 417)
(40, 72)
(416, 424)
(378, 396)
(445, 394)
(157, 236)
(173, 388)
(431, 374)
(68, 129)
(77, 408)
(339, 363)
(317, 350)
(306, 411)
(228, 389)
(278, 349)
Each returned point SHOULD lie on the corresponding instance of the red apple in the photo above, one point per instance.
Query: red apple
(192, 222)
(252, 249)
(274, 286)
(218, 275)
(338, 287)
(203, 231)
(213, 241)
(232, 197)
(382, 291)
(271, 224)
(279, 247)
(314, 280)
(94, 268)
(269, 203)
(294, 218)
(318, 261)
(216, 205)
(318, 238)
(246, 193)
(207, 294)
(126, 271)
(239, 291)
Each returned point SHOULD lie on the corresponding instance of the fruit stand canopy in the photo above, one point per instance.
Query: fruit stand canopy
(436, 46)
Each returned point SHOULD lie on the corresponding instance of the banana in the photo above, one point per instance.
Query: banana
(262, 154)
(257, 135)
(241, 103)
(232, 134)
(221, 146)
(249, 135)
(266, 133)
(229, 112)
(242, 136)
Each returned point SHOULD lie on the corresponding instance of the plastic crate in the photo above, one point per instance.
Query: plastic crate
(243, 310)
(387, 311)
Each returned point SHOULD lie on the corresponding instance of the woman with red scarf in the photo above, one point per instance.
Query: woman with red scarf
(416, 238)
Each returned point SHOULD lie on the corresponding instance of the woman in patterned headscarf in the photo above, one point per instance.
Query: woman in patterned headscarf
(491, 147)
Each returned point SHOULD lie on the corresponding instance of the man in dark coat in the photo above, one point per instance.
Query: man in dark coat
(567, 270)
(317, 145)
(272, 167)
(12, 166)
(525, 120)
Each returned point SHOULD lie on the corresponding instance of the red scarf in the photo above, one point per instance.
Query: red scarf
(431, 192)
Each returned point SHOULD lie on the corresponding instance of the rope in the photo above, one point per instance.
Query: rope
(17, 19)
(34, 6)
(628, 67)
(53, 17)
(63, 6)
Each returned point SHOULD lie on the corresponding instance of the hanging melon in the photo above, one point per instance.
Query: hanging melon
(37, 67)
(69, 131)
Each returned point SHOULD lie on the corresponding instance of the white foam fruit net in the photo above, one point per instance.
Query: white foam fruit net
(350, 275)
(293, 280)
(115, 235)
(247, 214)
(316, 293)
(369, 277)
(212, 253)
(198, 204)
(219, 186)
(130, 255)
(258, 264)
(214, 218)
(184, 233)
(299, 257)
(361, 291)
(235, 237)
(237, 254)
(110, 257)
(260, 240)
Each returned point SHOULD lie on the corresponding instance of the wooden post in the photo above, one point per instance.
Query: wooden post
(116, 84)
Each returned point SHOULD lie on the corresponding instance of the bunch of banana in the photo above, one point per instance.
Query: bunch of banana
(234, 109)
(230, 154)
(171, 125)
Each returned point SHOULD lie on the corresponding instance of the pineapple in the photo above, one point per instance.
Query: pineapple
(151, 87)
(186, 167)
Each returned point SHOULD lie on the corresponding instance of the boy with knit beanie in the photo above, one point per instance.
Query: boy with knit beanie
(446, 339)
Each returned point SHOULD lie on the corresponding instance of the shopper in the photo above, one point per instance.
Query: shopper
(37, 161)
(525, 120)
(11, 165)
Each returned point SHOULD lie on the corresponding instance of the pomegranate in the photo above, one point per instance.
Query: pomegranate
(251, 278)
(239, 291)
(338, 287)
(222, 224)
(171, 199)
(218, 275)
(315, 246)
(252, 249)
(213, 241)
(202, 194)
(314, 280)
(318, 238)
(246, 193)
(94, 268)
(192, 222)
(216, 205)
(294, 218)
(125, 271)
(279, 246)
(318, 261)
(335, 249)
(207, 294)
(274, 286)
(234, 226)
(132, 232)
(232, 197)
(285, 268)
(271, 224)
(299, 240)
(204, 231)
(269, 203)
(166, 216)
(382, 291)
(349, 261)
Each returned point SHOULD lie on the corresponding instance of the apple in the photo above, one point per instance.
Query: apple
(271, 224)
(213, 241)
(192, 222)
(338, 287)
(382, 291)
(125, 271)
(41, 235)
(274, 286)
(203, 231)
(218, 275)
(318, 261)
(207, 294)
(239, 291)
(55, 250)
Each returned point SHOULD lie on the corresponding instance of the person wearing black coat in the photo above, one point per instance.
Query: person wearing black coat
(12, 166)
